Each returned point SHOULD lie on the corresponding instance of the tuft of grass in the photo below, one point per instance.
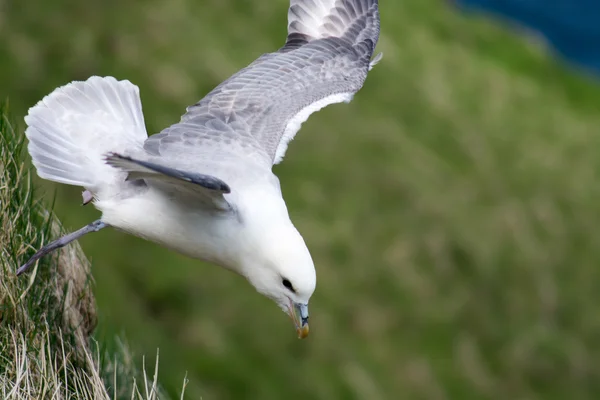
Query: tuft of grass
(47, 316)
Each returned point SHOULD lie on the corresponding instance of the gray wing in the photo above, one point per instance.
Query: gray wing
(256, 112)
(205, 188)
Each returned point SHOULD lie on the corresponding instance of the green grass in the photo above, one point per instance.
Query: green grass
(47, 317)
(451, 209)
(44, 327)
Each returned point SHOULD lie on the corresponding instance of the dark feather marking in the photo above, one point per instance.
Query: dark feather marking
(206, 181)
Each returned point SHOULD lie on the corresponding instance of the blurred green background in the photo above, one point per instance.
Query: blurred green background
(452, 208)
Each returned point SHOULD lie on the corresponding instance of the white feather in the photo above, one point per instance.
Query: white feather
(311, 23)
(71, 129)
(294, 124)
(375, 61)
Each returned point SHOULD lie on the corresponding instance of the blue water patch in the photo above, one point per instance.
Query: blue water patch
(571, 27)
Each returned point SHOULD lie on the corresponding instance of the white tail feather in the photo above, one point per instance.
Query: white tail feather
(71, 129)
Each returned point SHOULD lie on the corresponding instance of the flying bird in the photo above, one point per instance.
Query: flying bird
(204, 186)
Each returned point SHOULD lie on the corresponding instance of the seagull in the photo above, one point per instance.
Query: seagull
(204, 187)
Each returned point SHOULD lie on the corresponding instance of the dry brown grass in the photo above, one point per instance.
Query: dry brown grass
(47, 317)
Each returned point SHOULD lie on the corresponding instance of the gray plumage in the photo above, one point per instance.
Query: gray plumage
(204, 186)
(248, 113)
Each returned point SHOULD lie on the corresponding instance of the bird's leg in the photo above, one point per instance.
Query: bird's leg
(61, 242)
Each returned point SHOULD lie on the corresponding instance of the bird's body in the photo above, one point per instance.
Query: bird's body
(204, 186)
(214, 236)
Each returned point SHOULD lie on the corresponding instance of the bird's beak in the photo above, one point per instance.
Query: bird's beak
(299, 314)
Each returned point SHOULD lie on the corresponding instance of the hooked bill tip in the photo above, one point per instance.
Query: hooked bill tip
(303, 332)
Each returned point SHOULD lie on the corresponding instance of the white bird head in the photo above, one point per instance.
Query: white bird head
(281, 268)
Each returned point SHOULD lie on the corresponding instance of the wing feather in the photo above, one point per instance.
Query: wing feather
(256, 112)
(207, 188)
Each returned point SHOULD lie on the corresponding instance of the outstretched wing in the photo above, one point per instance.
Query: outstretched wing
(257, 111)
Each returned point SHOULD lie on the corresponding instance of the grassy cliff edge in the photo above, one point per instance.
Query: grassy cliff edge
(47, 316)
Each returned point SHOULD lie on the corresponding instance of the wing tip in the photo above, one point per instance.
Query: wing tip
(116, 160)
(128, 164)
(318, 19)
(224, 187)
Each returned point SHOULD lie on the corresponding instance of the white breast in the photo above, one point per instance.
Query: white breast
(185, 229)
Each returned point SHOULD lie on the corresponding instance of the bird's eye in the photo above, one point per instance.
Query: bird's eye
(288, 285)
